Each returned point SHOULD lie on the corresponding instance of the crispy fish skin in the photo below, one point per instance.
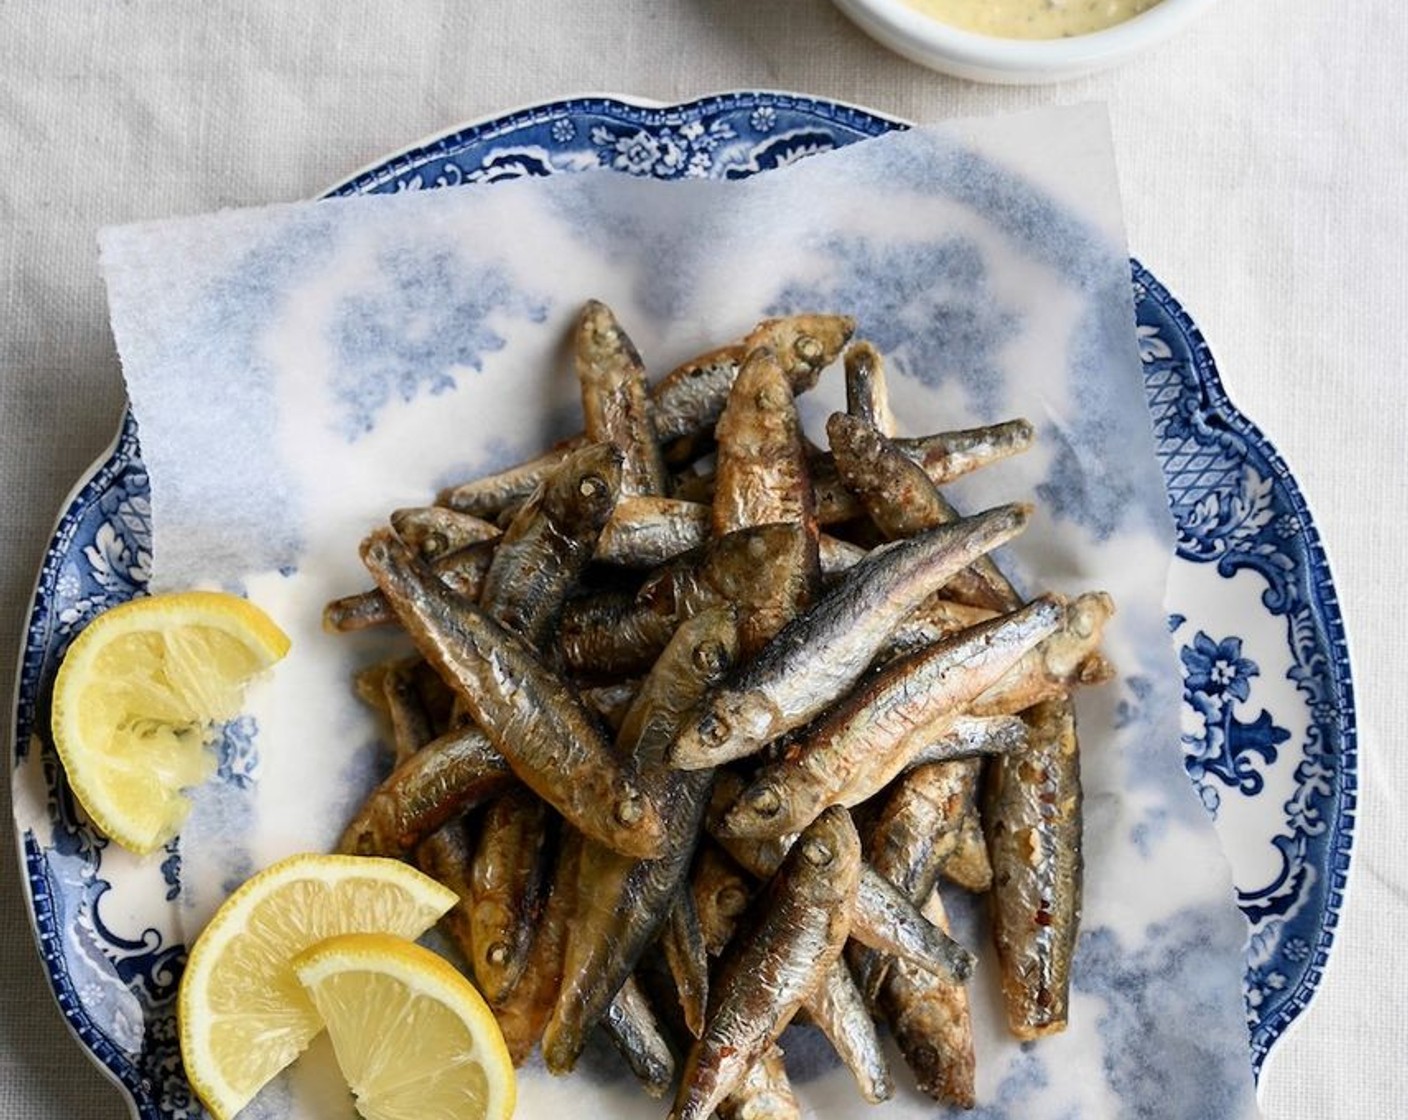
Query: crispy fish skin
(688, 959)
(969, 865)
(721, 891)
(761, 478)
(506, 880)
(447, 855)
(929, 1017)
(886, 920)
(917, 827)
(883, 919)
(893, 489)
(433, 531)
(819, 655)
(972, 738)
(490, 495)
(411, 726)
(644, 531)
(611, 634)
(614, 400)
(1034, 957)
(1032, 817)
(685, 401)
(541, 727)
(758, 570)
(932, 621)
(550, 541)
(765, 1093)
(614, 634)
(798, 934)
(867, 395)
(863, 742)
(913, 836)
(942, 456)
(622, 902)
(447, 776)
(950, 455)
(524, 1011)
(631, 1025)
(691, 397)
(838, 1010)
(902, 501)
(761, 473)
(1069, 658)
(462, 570)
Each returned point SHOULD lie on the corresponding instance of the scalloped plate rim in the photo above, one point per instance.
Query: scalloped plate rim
(1207, 379)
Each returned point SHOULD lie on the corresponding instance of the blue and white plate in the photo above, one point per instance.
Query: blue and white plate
(1269, 722)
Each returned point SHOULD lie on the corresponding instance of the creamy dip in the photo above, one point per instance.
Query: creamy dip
(1032, 19)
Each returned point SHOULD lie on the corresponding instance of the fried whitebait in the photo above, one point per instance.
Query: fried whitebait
(929, 1017)
(614, 401)
(650, 711)
(867, 739)
(548, 544)
(684, 402)
(631, 1024)
(1032, 816)
(800, 928)
(538, 724)
(441, 780)
(622, 902)
(821, 654)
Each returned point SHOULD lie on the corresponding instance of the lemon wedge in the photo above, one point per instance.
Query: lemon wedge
(242, 1014)
(413, 1038)
(136, 699)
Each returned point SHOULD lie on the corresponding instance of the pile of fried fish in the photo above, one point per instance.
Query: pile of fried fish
(701, 714)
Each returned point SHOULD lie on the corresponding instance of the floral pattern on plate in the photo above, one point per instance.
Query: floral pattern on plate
(1269, 722)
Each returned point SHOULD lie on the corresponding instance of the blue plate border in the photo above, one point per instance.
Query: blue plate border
(152, 1078)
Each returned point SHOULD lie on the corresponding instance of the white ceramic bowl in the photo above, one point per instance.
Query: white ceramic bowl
(984, 58)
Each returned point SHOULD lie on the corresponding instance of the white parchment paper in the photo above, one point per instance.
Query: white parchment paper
(299, 371)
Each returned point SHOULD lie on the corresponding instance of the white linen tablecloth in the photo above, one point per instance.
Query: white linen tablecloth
(1263, 157)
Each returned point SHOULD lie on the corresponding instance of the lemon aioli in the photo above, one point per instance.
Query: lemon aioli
(1032, 19)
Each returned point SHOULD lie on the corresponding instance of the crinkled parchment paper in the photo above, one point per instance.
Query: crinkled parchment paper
(298, 371)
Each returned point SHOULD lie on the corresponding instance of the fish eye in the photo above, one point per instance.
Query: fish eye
(377, 551)
(816, 853)
(497, 954)
(591, 486)
(714, 730)
(807, 348)
(435, 543)
(628, 809)
(710, 657)
(765, 802)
